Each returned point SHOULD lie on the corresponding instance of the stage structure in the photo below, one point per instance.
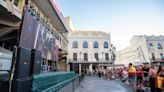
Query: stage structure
(38, 41)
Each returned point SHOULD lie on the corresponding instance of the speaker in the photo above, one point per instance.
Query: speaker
(36, 58)
(21, 85)
(22, 68)
(4, 86)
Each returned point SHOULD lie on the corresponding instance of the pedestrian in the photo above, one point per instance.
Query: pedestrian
(104, 73)
(139, 78)
(145, 71)
(99, 74)
(120, 73)
(152, 74)
(125, 76)
(159, 80)
(139, 73)
(132, 76)
(116, 74)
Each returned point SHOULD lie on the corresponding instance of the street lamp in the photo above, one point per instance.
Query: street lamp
(112, 51)
(114, 55)
(80, 56)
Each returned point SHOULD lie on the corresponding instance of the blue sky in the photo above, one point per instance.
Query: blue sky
(122, 18)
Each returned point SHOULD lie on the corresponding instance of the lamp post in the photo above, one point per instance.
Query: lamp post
(80, 56)
(112, 52)
(80, 64)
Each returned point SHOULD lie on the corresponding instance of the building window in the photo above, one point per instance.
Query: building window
(161, 55)
(153, 56)
(85, 44)
(85, 56)
(159, 46)
(105, 44)
(150, 45)
(74, 56)
(95, 44)
(74, 44)
(96, 56)
(106, 56)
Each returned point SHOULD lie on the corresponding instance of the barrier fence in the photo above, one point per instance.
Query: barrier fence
(67, 86)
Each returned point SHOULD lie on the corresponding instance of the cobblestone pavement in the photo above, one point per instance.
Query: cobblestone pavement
(95, 84)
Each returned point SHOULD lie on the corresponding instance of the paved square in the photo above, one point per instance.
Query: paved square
(95, 84)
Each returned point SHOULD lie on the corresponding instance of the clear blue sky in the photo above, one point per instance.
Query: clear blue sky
(122, 18)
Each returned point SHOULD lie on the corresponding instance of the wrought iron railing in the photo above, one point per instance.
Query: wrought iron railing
(81, 60)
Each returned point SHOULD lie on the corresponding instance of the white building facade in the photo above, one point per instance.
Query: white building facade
(143, 49)
(88, 49)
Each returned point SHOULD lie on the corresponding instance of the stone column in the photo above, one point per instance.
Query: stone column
(90, 68)
(79, 68)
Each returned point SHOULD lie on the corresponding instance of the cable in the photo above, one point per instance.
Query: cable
(13, 69)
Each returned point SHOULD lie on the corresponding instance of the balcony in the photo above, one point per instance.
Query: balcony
(157, 60)
(101, 61)
(12, 7)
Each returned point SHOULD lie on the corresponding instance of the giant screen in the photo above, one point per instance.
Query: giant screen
(35, 35)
